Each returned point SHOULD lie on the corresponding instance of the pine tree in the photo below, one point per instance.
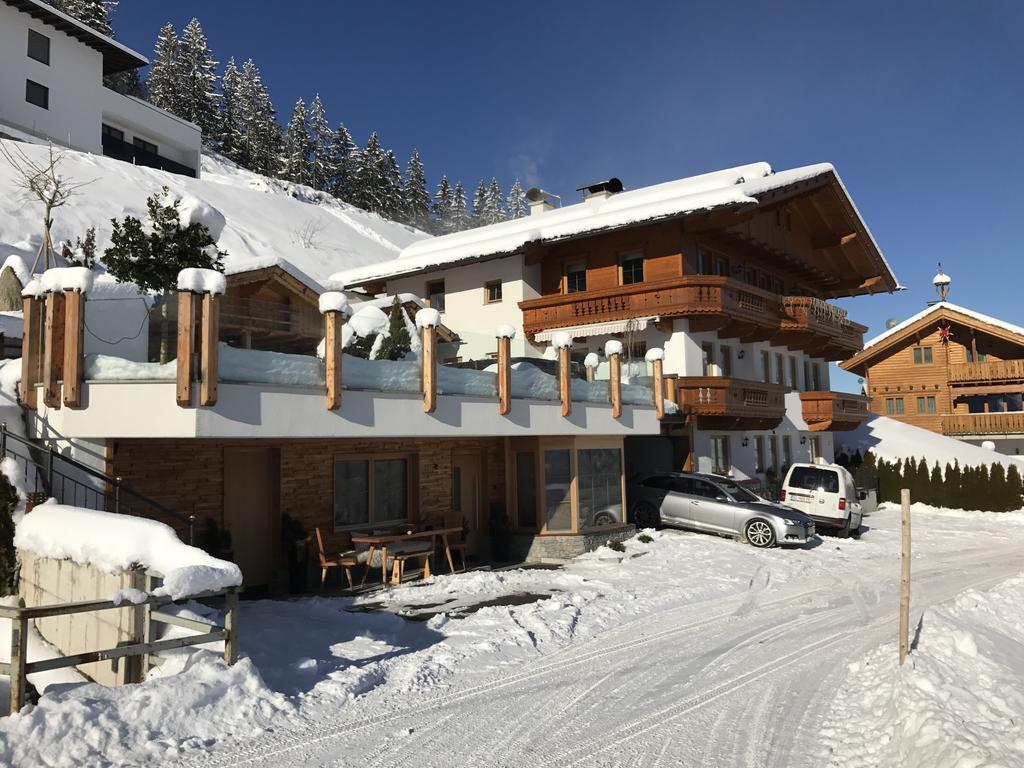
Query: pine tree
(164, 81)
(479, 205)
(198, 78)
(459, 216)
(936, 490)
(980, 497)
(495, 205)
(417, 199)
(443, 208)
(368, 183)
(951, 484)
(261, 135)
(998, 497)
(342, 156)
(92, 13)
(515, 204)
(397, 343)
(393, 189)
(229, 130)
(1015, 488)
(295, 166)
(322, 141)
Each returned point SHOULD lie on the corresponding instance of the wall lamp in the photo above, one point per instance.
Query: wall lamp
(803, 440)
(745, 442)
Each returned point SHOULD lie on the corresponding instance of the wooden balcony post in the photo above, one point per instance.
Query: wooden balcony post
(590, 362)
(187, 304)
(613, 350)
(31, 342)
(563, 343)
(672, 388)
(334, 307)
(74, 336)
(655, 356)
(427, 320)
(505, 335)
(53, 349)
(209, 336)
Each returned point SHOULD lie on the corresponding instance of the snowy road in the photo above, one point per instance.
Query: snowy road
(739, 680)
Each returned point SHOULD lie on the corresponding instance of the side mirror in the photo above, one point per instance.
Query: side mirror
(723, 499)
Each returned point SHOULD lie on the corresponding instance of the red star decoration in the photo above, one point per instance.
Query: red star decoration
(945, 333)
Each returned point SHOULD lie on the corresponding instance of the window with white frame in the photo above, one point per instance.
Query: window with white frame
(720, 460)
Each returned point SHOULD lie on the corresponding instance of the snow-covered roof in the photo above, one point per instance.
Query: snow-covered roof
(738, 186)
(116, 57)
(935, 309)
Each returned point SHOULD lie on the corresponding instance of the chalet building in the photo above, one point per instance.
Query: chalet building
(950, 370)
(51, 89)
(729, 272)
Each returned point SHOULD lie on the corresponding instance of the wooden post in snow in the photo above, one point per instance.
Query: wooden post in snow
(19, 656)
(563, 344)
(590, 363)
(187, 304)
(505, 335)
(613, 350)
(656, 356)
(74, 337)
(31, 342)
(53, 349)
(209, 338)
(671, 388)
(427, 320)
(334, 307)
(905, 577)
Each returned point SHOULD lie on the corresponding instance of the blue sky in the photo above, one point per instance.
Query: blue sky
(917, 104)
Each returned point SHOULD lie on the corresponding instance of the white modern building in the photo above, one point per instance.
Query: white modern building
(51, 89)
(728, 272)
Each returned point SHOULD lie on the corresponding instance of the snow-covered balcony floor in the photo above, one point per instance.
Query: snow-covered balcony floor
(147, 409)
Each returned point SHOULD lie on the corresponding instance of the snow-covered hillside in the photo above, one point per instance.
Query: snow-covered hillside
(257, 220)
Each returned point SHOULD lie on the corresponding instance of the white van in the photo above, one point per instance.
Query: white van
(827, 494)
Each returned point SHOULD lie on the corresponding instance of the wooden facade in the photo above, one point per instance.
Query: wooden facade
(949, 372)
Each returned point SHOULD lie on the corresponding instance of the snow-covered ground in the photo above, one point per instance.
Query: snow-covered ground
(685, 650)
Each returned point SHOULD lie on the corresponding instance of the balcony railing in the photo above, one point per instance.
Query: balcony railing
(726, 403)
(995, 372)
(833, 411)
(1005, 423)
(129, 153)
(821, 328)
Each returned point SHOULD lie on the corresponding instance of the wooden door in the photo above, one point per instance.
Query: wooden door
(250, 510)
(467, 508)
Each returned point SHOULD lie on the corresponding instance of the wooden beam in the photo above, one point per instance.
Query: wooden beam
(615, 382)
(74, 329)
(832, 240)
(209, 336)
(31, 342)
(504, 375)
(564, 380)
(428, 335)
(332, 357)
(53, 349)
(187, 302)
(658, 388)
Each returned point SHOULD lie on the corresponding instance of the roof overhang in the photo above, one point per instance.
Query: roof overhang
(116, 57)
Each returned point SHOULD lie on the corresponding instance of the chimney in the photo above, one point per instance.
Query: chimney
(540, 201)
(600, 190)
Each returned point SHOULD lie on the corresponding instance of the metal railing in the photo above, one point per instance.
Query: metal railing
(55, 473)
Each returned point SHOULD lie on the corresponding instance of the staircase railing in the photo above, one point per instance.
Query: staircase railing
(55, 473)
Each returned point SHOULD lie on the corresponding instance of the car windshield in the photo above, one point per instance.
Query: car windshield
(738, 492)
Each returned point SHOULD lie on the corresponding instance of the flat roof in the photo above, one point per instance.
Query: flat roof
(116, 57)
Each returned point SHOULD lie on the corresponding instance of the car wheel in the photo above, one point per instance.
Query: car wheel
(759, 533)
(646, 515)
(844, 532)
(856, 532)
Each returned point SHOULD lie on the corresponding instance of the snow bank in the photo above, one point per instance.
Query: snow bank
(113, 368)
(113, 542)
(956, 702)
(892, 440)
(334, 301)
(428, 317)
(59, 279)
(200, 280)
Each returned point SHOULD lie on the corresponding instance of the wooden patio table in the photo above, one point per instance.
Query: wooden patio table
(382, 540)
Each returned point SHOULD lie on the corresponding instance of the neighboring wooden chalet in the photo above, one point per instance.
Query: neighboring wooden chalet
(950, 370)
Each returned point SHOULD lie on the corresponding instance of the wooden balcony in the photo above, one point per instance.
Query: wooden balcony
(819, 328)
(969, 424)
(994, 378)
(833, 411)
(724, 403)
(732, 308)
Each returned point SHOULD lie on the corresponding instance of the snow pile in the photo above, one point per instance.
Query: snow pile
(366, 320)
(612, 347)
(561, 340)
(505, 332)
(428, 317)
(261, 367)
(653, 354)
(113, 543)
(956, 702)
(591, 360)
(58, 279)
(18, 266)
(893, 440)
(113, 368)
(199, 280)
(33, 289)
(334, 301)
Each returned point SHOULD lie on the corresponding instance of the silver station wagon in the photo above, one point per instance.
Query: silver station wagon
(715, 504)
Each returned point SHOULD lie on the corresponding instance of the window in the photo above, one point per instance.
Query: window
(725, 355)
(772, 454)
(815, 447)
(787, 451)
(780, 368)
(704, 489)
(926, 404)
(765, 282)
(145, 146)
(751, 276)
(721, 266)
(899, 406)
(435, 295)
(720, 463)
(37, 94)
(632, 269)
(492, 292)
(815, 383)
(777, 286)
(766, 367)
(970, 356)
(814, 479)
(370, 491)
(890, 407)
(558, 489)
(759, 463)
(703, 262)
(707, 356)
(599, 482)
(526, 489)
(792, 372)
(807, 375)
(38, 47)
(710, 263)
(112, 132)
(576, 278)
(922, 355)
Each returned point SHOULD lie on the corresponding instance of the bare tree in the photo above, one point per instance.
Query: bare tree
(308, 235)
(41, 181)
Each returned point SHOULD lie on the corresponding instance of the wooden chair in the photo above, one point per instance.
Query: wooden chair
(347, 560)
(457, 543)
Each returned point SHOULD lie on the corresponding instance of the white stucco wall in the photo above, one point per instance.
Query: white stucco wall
(74, 77)
(176, 139)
